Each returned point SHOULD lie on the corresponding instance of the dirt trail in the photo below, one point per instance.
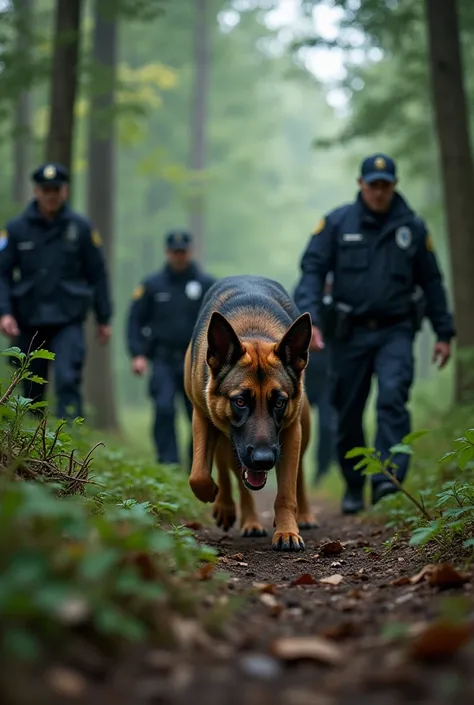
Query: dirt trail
(356, 663)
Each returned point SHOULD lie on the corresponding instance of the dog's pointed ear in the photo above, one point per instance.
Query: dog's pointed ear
(293, 348)
(223, 343)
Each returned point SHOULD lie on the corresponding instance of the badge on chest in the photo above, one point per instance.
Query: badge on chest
(403, 237)
(193, 290)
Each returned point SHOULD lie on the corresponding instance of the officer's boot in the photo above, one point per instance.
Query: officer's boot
(353, 500)
(382, 489)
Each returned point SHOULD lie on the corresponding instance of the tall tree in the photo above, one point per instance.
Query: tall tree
(198, 113)
(100, 387)
(65, 67)
(451, 120)
(23, 109)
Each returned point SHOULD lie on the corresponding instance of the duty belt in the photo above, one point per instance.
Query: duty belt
(168, 352)
(377, 322)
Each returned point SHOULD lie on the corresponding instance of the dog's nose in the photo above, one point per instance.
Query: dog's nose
(262, 458)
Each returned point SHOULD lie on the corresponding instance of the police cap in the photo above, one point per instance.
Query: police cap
(378, 167)
(178, 240)
(51, 174)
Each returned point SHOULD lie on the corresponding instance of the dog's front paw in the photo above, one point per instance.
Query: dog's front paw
(287, 541)
(204, 488)
(251, 528)
(307, 521)
(224, 514)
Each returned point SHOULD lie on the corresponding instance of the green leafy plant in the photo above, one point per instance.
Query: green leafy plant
(450, 516)
(92, 554)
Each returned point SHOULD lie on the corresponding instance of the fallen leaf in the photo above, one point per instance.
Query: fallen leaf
(344, 630)
(66, 682)
(439, 640)
(333, 548)
(445, 575)
(189, 633)
(272, 603)
(315, 648)
(238, 557)
(419, 576)
(332, 579)
(205, 571)
(195, 525)
(301, 560)
(304, 579)
(265, 588)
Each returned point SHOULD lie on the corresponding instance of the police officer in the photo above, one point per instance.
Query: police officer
(384, 269)
(160, 324)
(52, 269)
(318, 391)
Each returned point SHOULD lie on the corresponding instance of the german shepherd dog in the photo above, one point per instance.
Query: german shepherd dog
(244, 371)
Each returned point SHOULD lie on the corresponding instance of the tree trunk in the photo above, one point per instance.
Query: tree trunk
(451, 118)
(59, 146)
(99, 382)
(198, 123)
(23, 112)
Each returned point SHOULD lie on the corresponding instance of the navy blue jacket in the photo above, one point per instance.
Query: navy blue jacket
(377, 262)
(51, 272)
(164, 310)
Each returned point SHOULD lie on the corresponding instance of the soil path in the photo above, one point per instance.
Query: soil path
(356, 659)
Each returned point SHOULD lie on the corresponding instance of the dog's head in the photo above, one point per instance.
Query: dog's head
(255, 389)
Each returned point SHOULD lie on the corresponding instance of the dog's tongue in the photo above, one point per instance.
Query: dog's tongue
(256, 479)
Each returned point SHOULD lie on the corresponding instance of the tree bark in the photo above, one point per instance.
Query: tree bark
(23, 112)
(99, 381)
(59, 146)
(198, 122)
(451, 118)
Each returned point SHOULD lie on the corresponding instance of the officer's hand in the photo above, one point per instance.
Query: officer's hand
(9, 326)
(103, 334)
(139, 365)
(441, 354)
(316, 340)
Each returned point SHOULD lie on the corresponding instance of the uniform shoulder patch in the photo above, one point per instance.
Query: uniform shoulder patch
(138, 292)
(429, 243)
(96, 238)
(320, 227)
(3, 239)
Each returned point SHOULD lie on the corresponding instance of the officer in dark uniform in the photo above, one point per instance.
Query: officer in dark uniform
(386, 278)
(52, 269)
(160, 324)
(318, 391)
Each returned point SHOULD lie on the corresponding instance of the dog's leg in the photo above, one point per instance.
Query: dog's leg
(224, 506)
(204, 443)
(286, 536)
(306, 519)
(250, 526)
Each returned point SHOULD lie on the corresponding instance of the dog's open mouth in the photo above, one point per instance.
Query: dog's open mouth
(254, 479)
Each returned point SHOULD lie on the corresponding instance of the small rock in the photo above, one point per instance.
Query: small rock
(260, 666)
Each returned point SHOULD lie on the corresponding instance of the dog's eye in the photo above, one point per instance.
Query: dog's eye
(239, 402)
(280, 403)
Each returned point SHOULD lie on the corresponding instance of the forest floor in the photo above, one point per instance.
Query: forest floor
(351, 620)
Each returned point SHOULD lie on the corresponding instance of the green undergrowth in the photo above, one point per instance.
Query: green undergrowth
(436, 504)
(92, 539)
